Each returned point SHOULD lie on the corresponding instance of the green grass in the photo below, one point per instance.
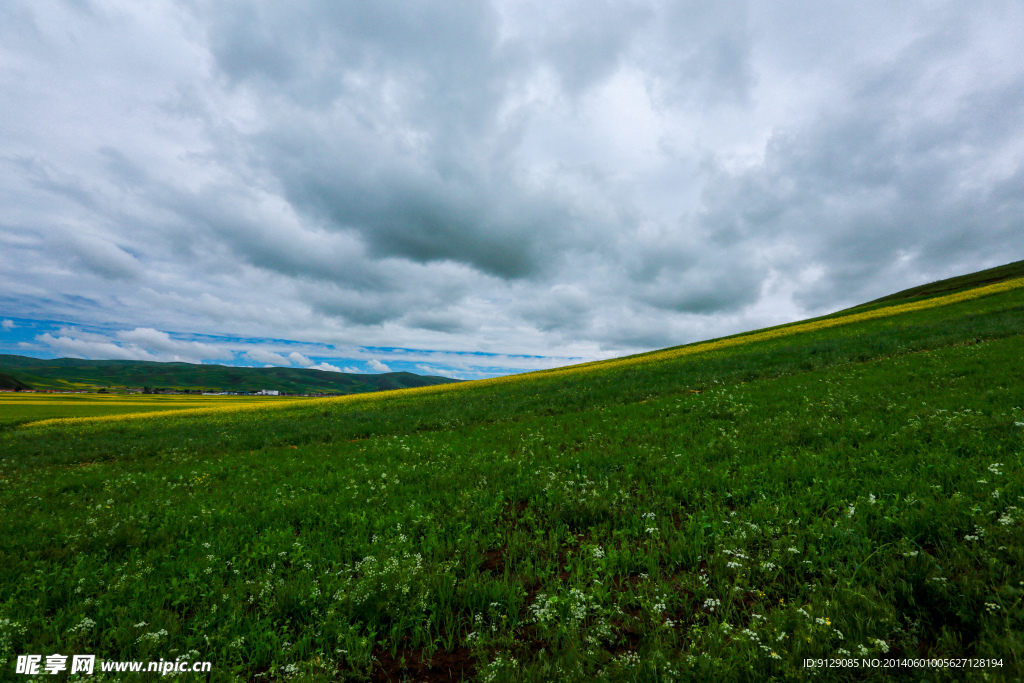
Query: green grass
(850, 492)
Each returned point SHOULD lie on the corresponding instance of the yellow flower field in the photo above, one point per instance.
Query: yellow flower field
(50, 407)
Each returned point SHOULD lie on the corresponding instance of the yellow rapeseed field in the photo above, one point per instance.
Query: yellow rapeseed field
(596, 366)
(92, 406)
(114, 400)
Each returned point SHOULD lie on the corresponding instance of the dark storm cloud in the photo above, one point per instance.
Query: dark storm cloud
(396, 132)
(572, 178)
(877, 177)
(414, 213)
(446, 321)
(389, 129)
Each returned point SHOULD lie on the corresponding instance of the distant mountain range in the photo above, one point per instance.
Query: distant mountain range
(64, 374)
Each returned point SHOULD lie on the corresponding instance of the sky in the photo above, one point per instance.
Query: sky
(479, 188)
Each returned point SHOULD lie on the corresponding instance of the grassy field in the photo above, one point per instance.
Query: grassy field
(846, 488)
(22, 408)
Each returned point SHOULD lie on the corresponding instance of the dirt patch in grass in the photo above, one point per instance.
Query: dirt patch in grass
(494, 561)
(405, 665)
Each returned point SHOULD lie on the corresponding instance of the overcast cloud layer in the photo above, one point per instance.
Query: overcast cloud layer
(566, 179)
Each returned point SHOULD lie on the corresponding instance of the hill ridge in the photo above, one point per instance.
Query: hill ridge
(80, 373)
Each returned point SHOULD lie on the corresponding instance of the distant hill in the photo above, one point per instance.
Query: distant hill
(8, 382)
(73, 373)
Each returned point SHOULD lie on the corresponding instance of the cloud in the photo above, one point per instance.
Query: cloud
(377, 366)
(298, 359)
(325, 366)
(102, 257)
(80, 348)
(268, 357)
(537, 181)
(179, 350)
(138, 344)
(437, 372)
(352, 370)
(7, 324)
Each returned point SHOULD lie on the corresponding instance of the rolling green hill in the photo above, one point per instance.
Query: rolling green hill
(8, 382)
(950, 285)
(840, 499)
(72, 373)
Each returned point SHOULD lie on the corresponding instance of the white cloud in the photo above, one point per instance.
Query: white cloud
(298, 359)
(164, 345)
(353, 371)
(377, 366)
(438, 372)
(80, 348)
(268, 357)
(325, 366)
(137, 344)
(7, 324)
(82, 334)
